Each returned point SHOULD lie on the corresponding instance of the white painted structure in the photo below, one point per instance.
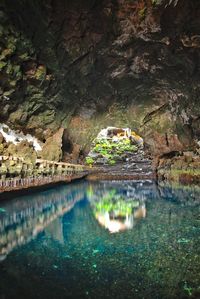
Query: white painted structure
(14, 137)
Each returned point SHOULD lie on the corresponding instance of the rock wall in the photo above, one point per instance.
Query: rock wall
(184, 168)
(84, 65)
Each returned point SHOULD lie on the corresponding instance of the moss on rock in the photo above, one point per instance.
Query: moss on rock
(181, 169)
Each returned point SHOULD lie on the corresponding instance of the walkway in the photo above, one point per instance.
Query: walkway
(16, 173)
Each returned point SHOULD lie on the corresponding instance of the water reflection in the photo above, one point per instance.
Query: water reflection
(186, 195)
(116, 206)
(69, 251)
(119, 208)
(22, 219)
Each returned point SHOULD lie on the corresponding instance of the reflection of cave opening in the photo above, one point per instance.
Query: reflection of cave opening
(67, 145)
(117, 209)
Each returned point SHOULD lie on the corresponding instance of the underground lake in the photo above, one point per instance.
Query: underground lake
(100, 149)
(109, 239)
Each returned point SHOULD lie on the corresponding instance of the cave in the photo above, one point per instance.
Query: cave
(99, 149)
(136, 67)
(67, 145)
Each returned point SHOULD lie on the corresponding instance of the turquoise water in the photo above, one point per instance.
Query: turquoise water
(101, 240)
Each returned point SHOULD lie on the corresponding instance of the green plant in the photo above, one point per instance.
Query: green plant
(89, 161)
(112, 150)
(112, 162)
(188, 289)
(142, 13)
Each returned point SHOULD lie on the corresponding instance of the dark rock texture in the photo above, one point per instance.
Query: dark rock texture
(83, 65)
(183, 168)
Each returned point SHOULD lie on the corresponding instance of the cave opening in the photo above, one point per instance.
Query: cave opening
(114, 145)
(67, 145)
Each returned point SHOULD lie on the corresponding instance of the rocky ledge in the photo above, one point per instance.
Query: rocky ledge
(181, 168)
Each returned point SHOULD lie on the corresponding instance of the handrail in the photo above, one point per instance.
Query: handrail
(21, 173)
(43, 162)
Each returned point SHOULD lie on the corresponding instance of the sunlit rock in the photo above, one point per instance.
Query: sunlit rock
(16, 137)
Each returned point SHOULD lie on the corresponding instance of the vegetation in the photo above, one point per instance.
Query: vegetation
(89, 161)
(115, 204)
(111, 151)
(142, 12)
